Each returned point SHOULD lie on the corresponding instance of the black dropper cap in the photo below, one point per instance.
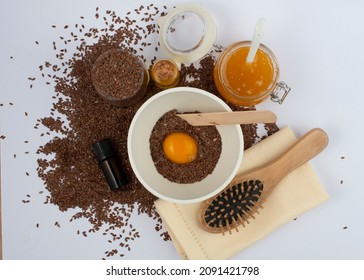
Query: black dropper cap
(103, 149)
(107, 159)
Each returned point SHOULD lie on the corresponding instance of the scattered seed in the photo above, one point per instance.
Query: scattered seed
(76, 181)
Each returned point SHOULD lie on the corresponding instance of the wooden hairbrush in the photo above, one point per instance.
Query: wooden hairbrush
(238, 203)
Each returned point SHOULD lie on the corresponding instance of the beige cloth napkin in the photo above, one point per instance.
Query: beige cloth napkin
(297, 193)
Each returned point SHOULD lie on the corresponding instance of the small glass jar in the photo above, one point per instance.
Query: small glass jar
(247, 84)
(165, 73)
(120, 77)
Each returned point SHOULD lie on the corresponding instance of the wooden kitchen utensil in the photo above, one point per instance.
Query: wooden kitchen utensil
(237, 117)
(238, 203)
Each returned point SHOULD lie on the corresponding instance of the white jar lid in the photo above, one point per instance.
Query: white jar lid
(187, 33)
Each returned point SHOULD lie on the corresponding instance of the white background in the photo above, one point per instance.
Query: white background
(319, 46)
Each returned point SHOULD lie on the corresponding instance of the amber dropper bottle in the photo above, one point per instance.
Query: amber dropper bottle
(106, 157)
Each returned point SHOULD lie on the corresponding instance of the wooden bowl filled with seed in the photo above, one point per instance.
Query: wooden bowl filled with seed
(179, 162)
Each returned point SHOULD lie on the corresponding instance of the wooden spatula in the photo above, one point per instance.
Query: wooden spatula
(237, 117)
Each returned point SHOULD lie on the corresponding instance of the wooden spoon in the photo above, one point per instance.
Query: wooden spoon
(237, 117)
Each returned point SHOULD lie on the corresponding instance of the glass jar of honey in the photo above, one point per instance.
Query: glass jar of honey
(247, 84)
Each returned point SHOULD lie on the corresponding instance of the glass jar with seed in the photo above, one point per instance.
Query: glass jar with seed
(165, 73)
(120, 77)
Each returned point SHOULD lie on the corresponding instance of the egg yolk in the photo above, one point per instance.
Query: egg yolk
(180, 148)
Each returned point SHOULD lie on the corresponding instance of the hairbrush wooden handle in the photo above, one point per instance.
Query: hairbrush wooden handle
(306, 148)
(236, 117)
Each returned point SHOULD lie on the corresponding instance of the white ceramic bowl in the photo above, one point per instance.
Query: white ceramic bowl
(184, 99)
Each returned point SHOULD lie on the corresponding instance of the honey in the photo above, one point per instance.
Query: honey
(243, 83)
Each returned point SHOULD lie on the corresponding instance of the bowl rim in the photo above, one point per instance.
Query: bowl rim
(136, 170)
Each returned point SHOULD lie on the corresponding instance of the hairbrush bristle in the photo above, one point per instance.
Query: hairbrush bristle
(234, 206)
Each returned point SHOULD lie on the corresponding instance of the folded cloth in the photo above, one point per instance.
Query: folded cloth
(296, 193)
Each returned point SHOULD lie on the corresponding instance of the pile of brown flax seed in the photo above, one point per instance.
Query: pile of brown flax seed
(66, 163)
